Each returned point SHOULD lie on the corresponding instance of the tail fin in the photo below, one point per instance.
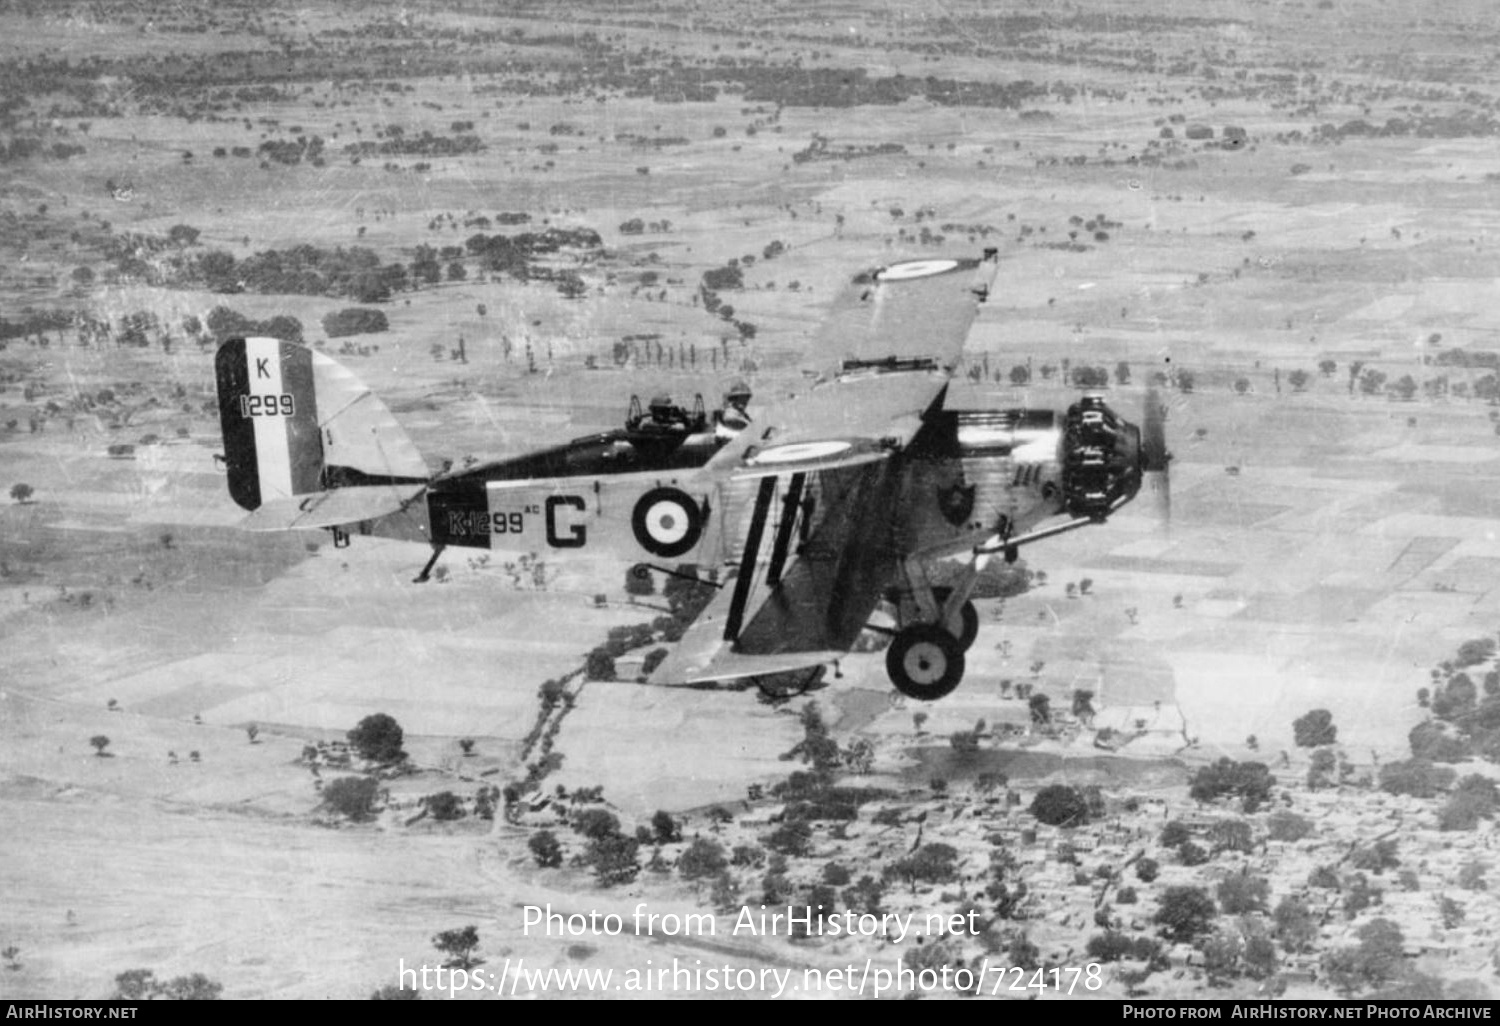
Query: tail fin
(297, 425)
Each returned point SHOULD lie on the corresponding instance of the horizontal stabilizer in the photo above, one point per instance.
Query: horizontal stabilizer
(703, 656)
(332, 508)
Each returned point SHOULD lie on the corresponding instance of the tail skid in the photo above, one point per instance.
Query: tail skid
(306, 444)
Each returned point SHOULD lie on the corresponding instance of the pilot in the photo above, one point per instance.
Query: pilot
(665, 415)
(734, 418)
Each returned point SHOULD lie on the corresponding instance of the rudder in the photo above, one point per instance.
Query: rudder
(297, 423)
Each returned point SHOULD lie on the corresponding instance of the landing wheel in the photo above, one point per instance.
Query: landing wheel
(967, 614)
(925, 662)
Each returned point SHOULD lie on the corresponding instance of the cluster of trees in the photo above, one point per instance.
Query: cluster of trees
(396, 143)
(223, 322)
(1465, 715)
(27, 147)
(142, 985)
(32, 323)
(1250, 782)
(305, 270)
(354, 320)
(515, 254)
(1064, 806)
(290, 151)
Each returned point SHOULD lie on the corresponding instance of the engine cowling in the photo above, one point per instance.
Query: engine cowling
(1101, 459)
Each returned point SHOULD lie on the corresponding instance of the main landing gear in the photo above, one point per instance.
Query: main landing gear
(926, 657)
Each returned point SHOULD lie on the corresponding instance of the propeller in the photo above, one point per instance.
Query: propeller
(1155, 458)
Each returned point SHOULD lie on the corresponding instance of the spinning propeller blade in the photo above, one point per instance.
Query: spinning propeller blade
(1155, 458)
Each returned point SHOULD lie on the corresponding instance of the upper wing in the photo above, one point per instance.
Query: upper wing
(913, 311)
(897, 332)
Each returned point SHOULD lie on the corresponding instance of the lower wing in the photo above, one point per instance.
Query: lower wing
(817, 554)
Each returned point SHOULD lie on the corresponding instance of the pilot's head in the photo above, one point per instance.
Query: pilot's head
(738, 396)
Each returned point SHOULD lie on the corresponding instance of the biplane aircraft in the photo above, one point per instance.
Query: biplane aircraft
(818, 508)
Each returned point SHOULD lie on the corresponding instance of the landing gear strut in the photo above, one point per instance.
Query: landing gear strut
(967, 617)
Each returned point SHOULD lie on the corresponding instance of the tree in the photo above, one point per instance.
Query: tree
(665, 827)
(1060, 805)
(1372, 381)
(1250, 781)
(377, 738)
(703, 858)
(1240, 893)
(100, 743)
(458, 945)
(1286, 825)
(1296, 926)
(1404, 387)
(865, 896)
(1223, 951)
(1110, 946)
(596, 823)
(1474, 798)
(1376, 959)
(1040, 707)
(1147, 869)
(1174, 834)
(135, 984)
(393, 992)
(1259, 957)
(353, 797)
(1231, 835)
(545, 849)
(1320, 772)
(1315, 729)
(836, 875)
(1185, 912)
(932, 863)
(1327, 368)
(1298, 379)
(793, 839)
(1191, 854)
(354, 320)
(600, 665)
(445, 806)
(22, 492)
(1376, 857)
(194, 987)
(1474, 652)
(1417, 777)
(142, 985)
(614, 859)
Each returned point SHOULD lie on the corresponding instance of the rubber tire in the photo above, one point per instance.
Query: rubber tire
(969, 615)
(929, 652)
